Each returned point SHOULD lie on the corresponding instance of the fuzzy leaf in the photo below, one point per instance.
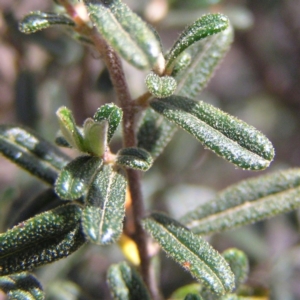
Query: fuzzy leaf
(111, 113)
(125, 32)
(69, 129)
(95, 136)
(205, 26)
(192, 252)
(40, 240)
(134, 158)
(75, 178)
(31, 152)
(239, 264)
(225, 135)
(39, 20)
(22, 286)
(247, 202)
(160, 87)
(204, 57)
(103, 215)
(125, 283)
(154, 132)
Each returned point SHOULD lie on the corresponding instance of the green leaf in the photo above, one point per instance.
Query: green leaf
(103, 215)
(95, 136)
(193, 297)
(75, 178)
(40, 240)
(134, 158)
(69, 129)
(204, 57)
(205, 26)
(247, 202)
(180, 293)
(154, 132)
(225, 135)
(39, 20)
(125, 283)
(238, 263)
(125, 32)
(111, 113)
(31, 152)
(160, 86)
(22, 286)
(192, 252)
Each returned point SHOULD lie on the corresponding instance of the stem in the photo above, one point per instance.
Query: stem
(114, 66)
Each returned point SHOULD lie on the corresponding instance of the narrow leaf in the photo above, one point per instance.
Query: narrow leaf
(39, 20)
(247, 202)
(160, 87)
(69, 129)
(21, 286)
(125, 283)
(225, 135)
(134, 158)
(31, 152)
(205, 26)
(155, 132)
(95, 136)
(205, 55)
(43, 239)
(203, 58)
(74, 179)
(192, 252)
(103, 215)
(112, 114)
(238, 263)
(125, 32)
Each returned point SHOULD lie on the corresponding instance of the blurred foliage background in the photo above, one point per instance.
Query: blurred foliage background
(258, 81)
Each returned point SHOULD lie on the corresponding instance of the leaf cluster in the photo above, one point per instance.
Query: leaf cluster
(95, 187)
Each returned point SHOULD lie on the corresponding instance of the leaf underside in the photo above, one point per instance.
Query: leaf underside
(247, 202)
(192, 252)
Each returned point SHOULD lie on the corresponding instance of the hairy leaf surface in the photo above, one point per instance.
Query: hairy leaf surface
(41, 240)
(225, 135)
(192, 252)
(75, 178)
(38, 20)
(125, 283)
(31, 152)
(134, 158)
(21, 286)
(103, 215)
(125, 32)
(239, 264)
(205, 26)
(247, 202)
(203, 58)
(112, 114)
(155, 132)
